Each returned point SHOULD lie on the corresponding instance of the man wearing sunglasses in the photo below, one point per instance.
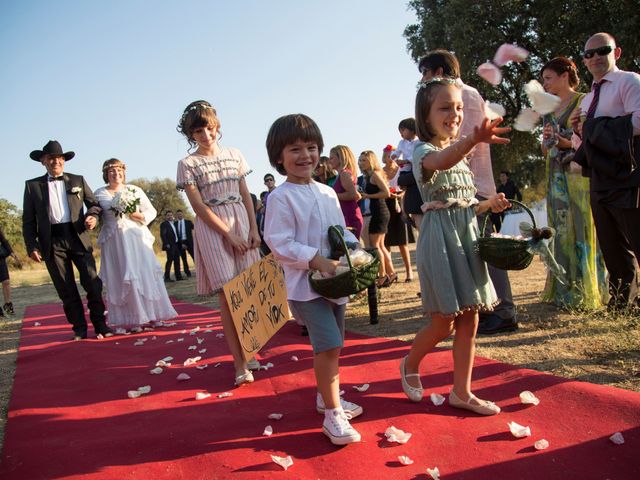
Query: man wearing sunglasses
(607, 129)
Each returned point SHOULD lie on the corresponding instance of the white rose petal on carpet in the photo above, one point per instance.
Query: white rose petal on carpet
(284, 462)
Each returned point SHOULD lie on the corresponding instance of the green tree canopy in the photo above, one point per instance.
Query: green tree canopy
(475, 30)
(162, 194)
(11, 223)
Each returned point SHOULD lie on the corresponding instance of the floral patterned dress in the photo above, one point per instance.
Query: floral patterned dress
(569, 213)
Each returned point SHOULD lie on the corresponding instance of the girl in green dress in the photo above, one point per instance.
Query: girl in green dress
(454, 281)
(568, 210)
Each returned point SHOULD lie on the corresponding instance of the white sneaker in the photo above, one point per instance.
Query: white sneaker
(253, 364)
(351, 409)
(336, 426)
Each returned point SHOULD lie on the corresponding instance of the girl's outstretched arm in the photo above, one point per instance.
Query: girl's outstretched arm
(205, 214)
(254, 235)
(487, 132)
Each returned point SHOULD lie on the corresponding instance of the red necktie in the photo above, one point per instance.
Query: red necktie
(596, 97)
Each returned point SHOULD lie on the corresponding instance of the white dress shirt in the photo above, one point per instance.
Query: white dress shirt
(619, 96)
(58, 205)
(405, 147)
(480, 158)
(295, 229)
(182, 236)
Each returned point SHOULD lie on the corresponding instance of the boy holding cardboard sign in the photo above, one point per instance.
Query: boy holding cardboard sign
(296, 224)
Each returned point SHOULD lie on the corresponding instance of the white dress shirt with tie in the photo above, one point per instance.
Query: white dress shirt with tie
(58, 205)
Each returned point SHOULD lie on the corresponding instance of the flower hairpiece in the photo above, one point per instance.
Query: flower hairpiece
(388, 148)
(195, 107)
(439, 80)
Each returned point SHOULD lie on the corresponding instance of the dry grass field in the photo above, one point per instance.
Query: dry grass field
(594, 347)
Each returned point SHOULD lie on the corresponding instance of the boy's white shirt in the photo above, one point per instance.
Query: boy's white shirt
(405, 147)
(295, 228)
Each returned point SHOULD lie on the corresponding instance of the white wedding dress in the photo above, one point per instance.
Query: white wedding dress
(129, 270)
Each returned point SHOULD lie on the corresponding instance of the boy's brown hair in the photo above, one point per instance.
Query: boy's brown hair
(287, 130)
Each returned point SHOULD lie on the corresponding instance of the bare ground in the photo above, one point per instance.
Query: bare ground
(593, 347)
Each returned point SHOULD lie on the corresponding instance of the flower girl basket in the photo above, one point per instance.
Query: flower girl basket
(356, 279)
(508, 253)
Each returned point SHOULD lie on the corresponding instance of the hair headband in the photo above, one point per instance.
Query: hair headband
(194, 107)
(439, 80)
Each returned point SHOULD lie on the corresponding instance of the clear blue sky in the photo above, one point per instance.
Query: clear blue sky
(111, 78)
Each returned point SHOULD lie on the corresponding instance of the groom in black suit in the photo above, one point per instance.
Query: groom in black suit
(55, 229)
(184, 230)
(171, 246)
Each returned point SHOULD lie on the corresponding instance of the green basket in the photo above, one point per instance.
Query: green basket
(506, 253)
(347, 283)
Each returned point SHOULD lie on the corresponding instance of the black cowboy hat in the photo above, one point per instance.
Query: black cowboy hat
(52, 148)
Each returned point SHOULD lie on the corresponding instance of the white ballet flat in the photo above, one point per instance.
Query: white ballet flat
(414, 394)
(485, 407)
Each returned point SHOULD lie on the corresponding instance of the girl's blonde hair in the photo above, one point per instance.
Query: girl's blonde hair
(113, 163)
(346, 159)
(198, 114)
(374, 163)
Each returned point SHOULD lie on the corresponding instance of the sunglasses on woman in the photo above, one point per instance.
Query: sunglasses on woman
(601, 51)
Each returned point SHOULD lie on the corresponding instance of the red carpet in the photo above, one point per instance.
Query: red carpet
(70, 416)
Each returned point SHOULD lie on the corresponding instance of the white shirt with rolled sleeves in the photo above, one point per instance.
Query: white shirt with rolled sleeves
(295, 229)
(480, 158)
(619, 96)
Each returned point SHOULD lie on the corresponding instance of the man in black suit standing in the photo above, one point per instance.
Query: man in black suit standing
(55, 229)
(170, 245)
(184, 230)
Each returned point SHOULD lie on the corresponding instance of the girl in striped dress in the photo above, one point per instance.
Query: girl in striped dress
(226, 237)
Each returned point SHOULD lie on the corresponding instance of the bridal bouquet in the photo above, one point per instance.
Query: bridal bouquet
(125, 202)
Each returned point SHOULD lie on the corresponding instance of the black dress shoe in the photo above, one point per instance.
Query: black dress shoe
(492, 324)
(188, 274)
(179, 279)
(168, 280)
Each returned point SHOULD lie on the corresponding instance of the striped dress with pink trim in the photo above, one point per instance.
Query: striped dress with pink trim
(218, 180)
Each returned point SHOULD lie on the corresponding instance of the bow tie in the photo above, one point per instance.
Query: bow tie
(55, 179)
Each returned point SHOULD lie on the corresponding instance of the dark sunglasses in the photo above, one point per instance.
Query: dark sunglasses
(601, 51)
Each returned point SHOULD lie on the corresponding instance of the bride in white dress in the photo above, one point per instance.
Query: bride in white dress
(133, 278)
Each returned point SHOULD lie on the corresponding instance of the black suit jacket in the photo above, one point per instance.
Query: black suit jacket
(168, 236)
(609, 153)
(36, 226)
(188, 226)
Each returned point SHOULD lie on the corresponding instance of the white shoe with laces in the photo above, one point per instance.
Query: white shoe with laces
(336, 426)
(352, 409)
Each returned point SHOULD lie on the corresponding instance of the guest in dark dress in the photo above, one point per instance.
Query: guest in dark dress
(6, 251)
(399, 233)
(377, 191)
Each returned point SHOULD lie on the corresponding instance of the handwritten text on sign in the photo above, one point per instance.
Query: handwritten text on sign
(257, 299)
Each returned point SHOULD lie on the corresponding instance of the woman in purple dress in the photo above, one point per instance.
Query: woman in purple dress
(342, 160)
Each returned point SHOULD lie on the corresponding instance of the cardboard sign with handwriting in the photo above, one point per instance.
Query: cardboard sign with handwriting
(257, 299)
